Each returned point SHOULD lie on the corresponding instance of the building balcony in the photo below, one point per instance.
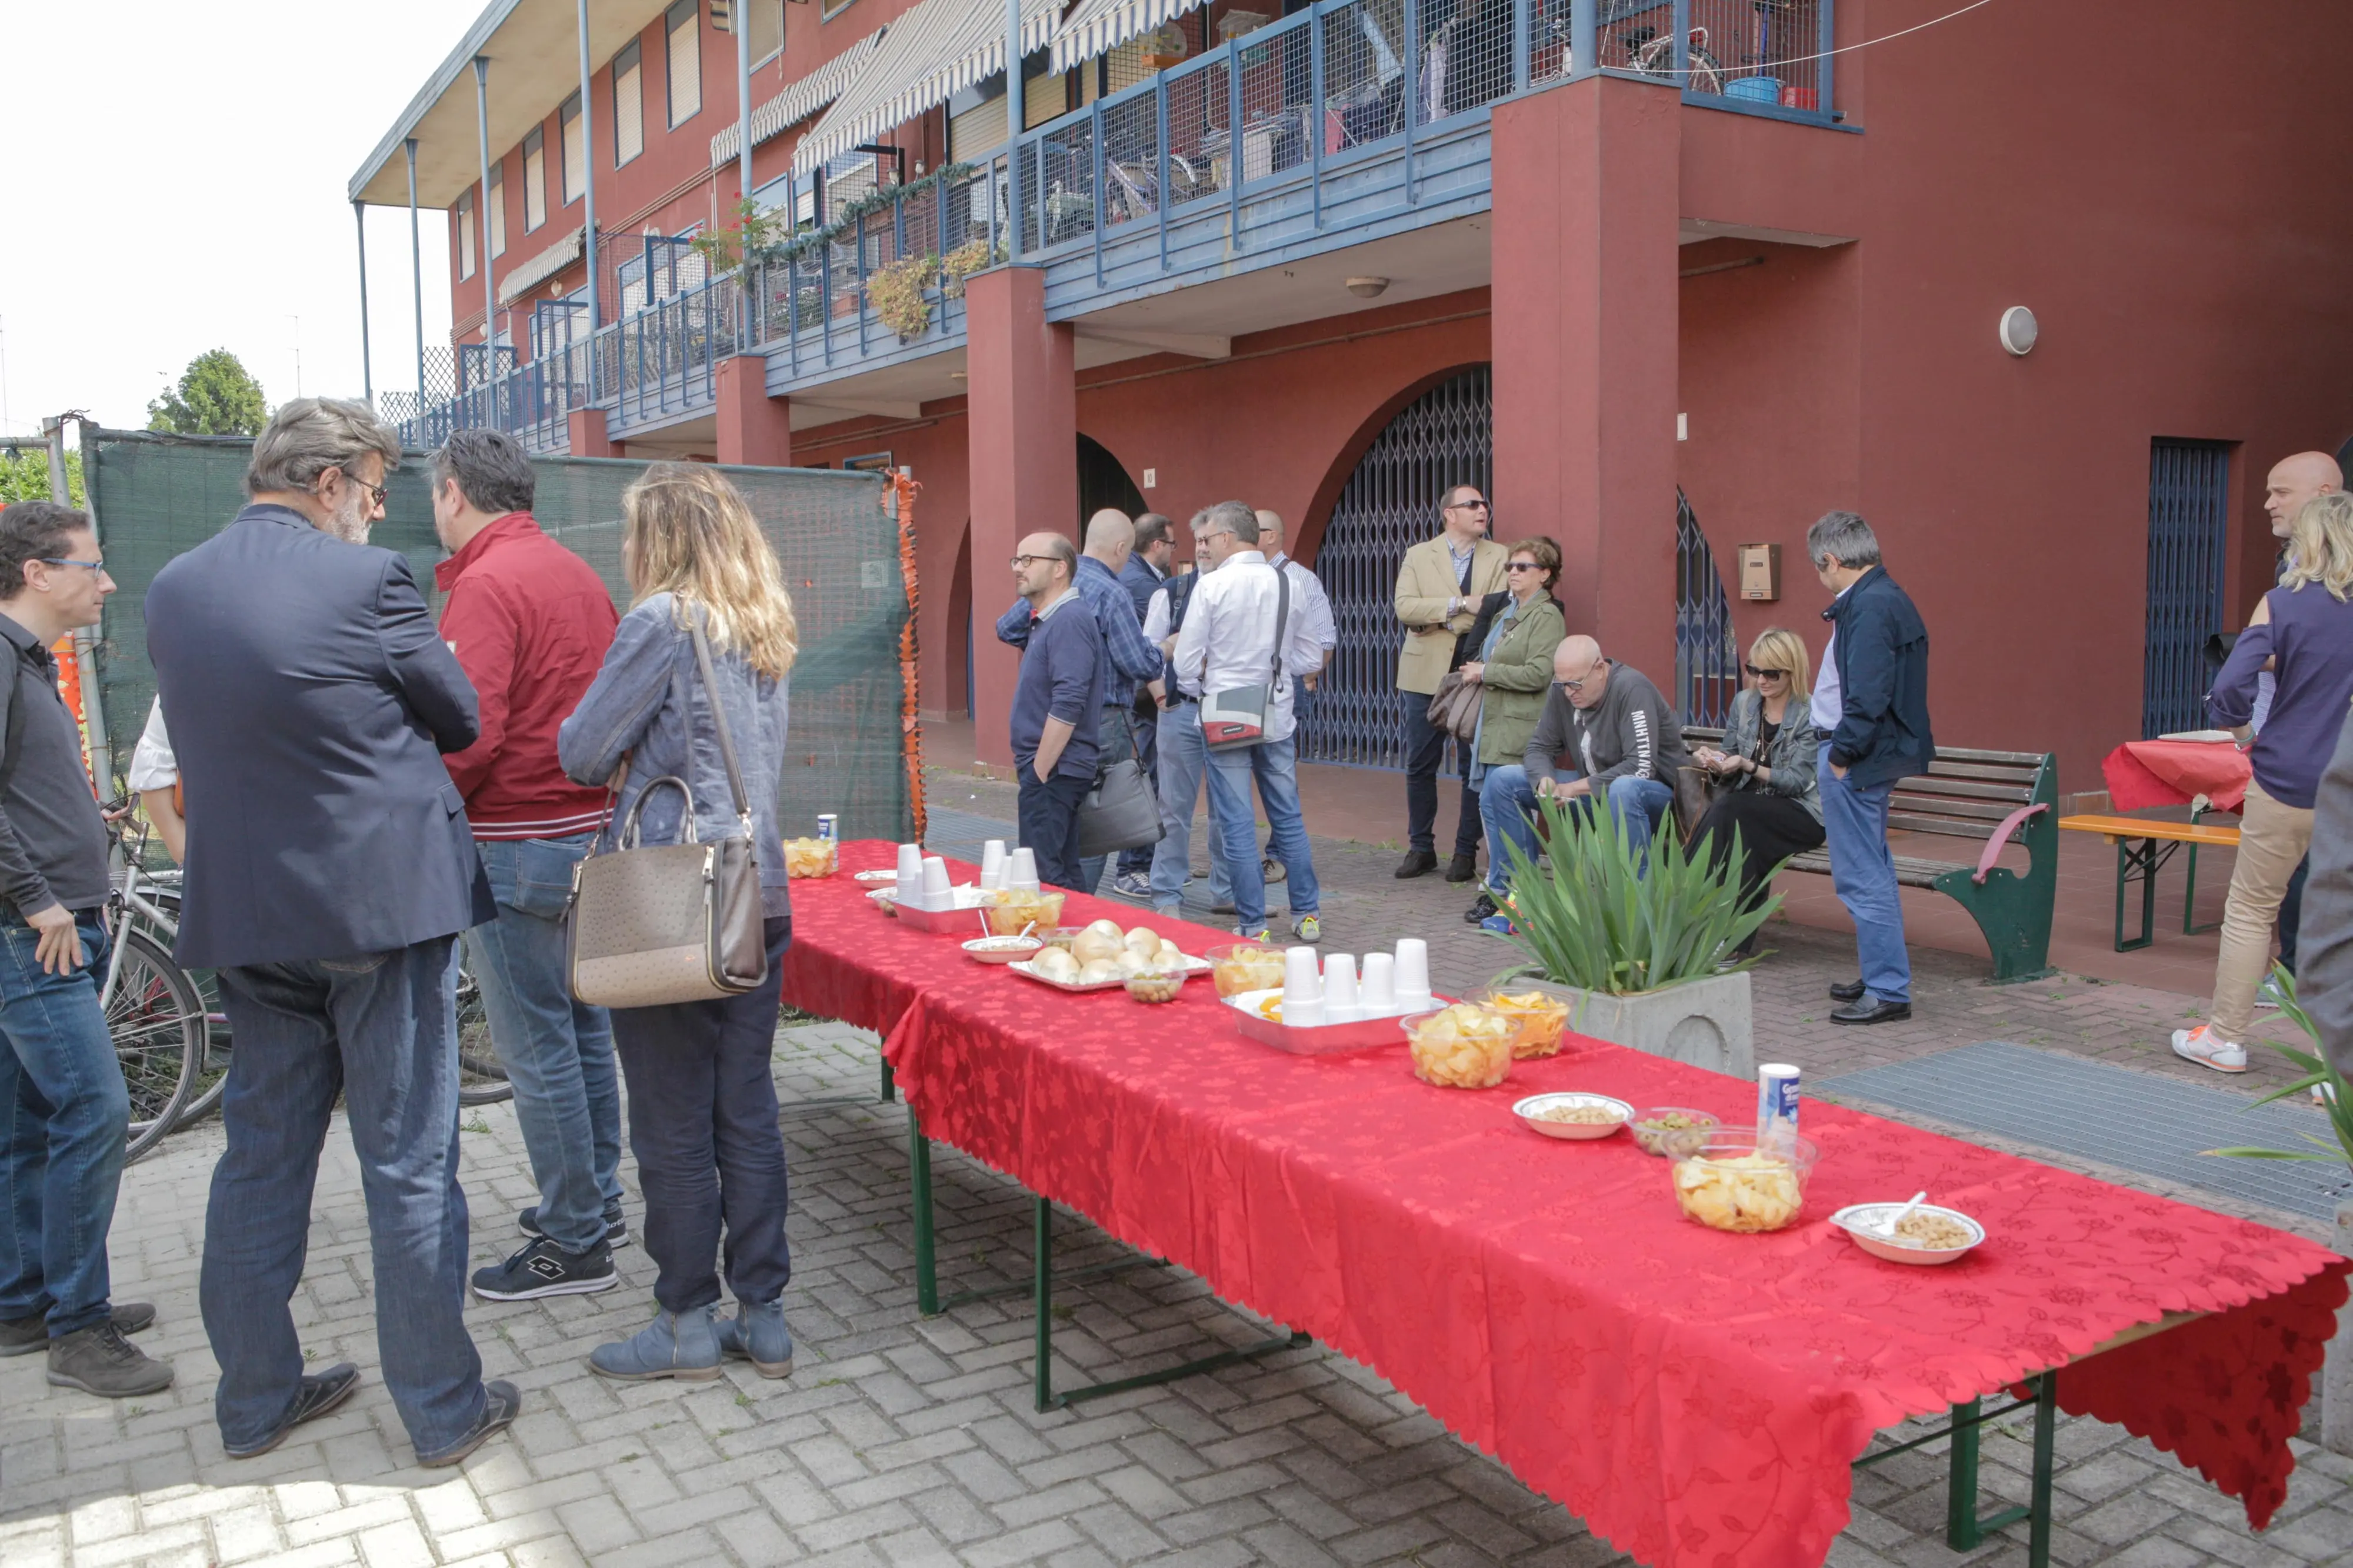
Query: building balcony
(1309, 137)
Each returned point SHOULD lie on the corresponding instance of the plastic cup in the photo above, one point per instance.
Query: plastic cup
(1023, 872)
(992, 863)
(935, 883)
(1301, 981)
(911, 868)
(1341, 1004)
(1307, 1014)
(1412, 968)
(1377, 994)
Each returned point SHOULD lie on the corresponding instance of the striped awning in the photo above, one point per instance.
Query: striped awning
(541, 268)
(933, 52)
(1098, 27)
(801, 99)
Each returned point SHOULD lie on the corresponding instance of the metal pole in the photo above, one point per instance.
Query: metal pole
(367, 365)
(482, 238)
(588, 195)
(416, 270)
(1520, 46)
(93, 707)
(1582, 59)
(1822, 72)
(743, 24)
(1015, 114)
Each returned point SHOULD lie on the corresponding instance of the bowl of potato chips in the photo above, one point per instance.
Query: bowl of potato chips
(811, 858)
(1538, 1017)
(1464, 1046)
(1015, 910)
(1729, 1182)
(1240, 966)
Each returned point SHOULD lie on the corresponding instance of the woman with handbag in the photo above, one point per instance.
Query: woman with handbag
(688, 711)
(1515, 634)
(1762, 777)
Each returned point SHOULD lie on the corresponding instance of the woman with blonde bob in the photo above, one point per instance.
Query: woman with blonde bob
(2303, 630)
(703, 1107)
(1764, 773)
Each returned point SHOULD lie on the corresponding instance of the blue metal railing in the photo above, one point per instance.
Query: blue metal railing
(1347, 109)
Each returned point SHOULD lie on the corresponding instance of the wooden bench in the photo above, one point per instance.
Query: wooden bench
(1998, 798)
(2143, 847)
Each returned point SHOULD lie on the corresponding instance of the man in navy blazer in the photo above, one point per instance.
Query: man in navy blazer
(329, 869)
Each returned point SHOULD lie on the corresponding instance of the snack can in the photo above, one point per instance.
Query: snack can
(1777, 1105)
(829, 827)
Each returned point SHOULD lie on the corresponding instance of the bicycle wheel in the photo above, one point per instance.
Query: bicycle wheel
(481, 1080)
(157, 1021)
(212, 1073)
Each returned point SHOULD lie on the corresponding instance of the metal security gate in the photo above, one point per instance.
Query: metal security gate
(1707, 660)
(1443, 438)
(2189, 536)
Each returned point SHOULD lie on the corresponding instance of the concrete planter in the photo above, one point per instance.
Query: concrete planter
(1703, 1021)
(2336, 1372)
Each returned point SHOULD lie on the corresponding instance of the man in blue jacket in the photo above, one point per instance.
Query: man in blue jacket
(329, 869)
(1872, 702)
(1055, 706)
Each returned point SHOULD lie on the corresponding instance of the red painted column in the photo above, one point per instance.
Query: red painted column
(754, 427)
(585, 430)
(1586, 184)
(1022, 451)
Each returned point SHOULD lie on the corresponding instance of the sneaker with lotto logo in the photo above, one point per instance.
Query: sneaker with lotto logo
(543, 1268)
(1307, 927)
(2208, 1049)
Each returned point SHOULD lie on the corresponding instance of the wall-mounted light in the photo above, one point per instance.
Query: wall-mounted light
(2018, 330)
(1367, 287)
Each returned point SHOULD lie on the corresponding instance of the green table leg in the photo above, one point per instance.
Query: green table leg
(890, 1090)
(2046, 1432)
(2145, 861)
(1042, 1290)
(918, 1173)
(1961, 1532)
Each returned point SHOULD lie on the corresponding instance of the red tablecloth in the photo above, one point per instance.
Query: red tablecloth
(2169, 772)
(1696, 1397)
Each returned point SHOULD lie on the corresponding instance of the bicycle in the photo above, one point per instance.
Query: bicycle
(1654, 55)
(155, 1013)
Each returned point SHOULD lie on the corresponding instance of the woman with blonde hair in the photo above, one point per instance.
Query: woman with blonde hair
(703, 1107)
(1765, 789)
(2303, 630)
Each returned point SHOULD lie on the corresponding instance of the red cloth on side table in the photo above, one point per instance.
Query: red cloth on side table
(2142, 774)
(1696, 1397)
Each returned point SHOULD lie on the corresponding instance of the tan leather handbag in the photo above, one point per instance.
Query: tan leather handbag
(657, 925)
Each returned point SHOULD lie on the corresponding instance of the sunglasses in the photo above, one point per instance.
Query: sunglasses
(1763, 674)
(1468, 506)
(1522, 566)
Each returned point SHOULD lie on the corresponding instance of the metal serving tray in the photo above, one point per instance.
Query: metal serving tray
(1364, 1034)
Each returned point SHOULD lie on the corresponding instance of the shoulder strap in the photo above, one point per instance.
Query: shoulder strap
(719, 719)
(1281, 615)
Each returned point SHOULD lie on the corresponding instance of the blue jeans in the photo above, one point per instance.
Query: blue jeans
(67, 1112)
(381, 1029)
(1274, 765)
(1862, 872)
(558, 1053)
(1507, 803)
(1183, 760)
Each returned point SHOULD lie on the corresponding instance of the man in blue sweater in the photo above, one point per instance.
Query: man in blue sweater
(1055, 706)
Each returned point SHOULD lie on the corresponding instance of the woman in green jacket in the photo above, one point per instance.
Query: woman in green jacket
(1515, 634)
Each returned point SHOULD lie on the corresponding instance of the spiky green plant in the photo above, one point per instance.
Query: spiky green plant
(1598, 921)
(2319, 1069)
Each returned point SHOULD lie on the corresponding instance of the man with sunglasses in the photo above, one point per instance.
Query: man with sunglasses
(61, 1086)
(1440, 585)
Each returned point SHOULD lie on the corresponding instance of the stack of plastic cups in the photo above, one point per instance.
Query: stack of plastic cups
(992, 865)
(1021, 873)
(936, 893)
(1302, 990)
(1340, 1003)
(1412, 975)
(1376, 996)
(911, 876)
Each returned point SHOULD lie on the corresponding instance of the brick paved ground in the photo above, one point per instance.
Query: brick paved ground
(902, 1440)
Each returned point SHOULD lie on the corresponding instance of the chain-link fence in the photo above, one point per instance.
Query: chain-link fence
(838, 535)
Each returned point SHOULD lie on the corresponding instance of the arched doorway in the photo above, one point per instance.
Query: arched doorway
(1442, 439)
(1102, 482)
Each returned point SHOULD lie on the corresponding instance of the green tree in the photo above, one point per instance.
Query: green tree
(25, 476)
(216, 396)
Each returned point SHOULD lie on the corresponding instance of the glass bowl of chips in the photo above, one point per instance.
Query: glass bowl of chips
(1017, 910)
(811, 858)
(1464, 1046)
(1540, 1018)
(1729, 1182)
(1240, 966)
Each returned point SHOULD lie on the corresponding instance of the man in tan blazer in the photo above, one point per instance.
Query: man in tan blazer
(1439, 584)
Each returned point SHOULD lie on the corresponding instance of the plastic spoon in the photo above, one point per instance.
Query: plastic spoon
(1888, 1230)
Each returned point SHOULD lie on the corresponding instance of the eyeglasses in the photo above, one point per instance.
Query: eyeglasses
(1522, 566)
(1579, 684)
(1763, 674)
(378, 492)
(1021, 562)
(98, 565)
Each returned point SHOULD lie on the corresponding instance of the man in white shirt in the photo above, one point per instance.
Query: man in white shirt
(1242, 630)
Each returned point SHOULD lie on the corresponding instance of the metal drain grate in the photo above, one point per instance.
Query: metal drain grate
(2133, 1121)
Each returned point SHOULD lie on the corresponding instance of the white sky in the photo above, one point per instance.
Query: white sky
(176, 184)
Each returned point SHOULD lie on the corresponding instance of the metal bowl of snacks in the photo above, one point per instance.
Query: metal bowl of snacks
(1001, 948)
(1928, 1235)
(1240, 966)
(1462, 1047)
(1578, 1116)
(1728, 1182)
(1668, 1131)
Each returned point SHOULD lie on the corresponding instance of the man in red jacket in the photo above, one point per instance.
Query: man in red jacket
(530, 621)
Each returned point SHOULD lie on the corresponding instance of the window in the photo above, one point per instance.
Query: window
(534, 180)
(576, 150)
(682, 24)
(766, 20)
(465, 233)
(498, 206)
(836, 8)
(629, 105)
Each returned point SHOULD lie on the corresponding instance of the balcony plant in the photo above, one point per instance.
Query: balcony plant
(1637, 941)
(896, 292)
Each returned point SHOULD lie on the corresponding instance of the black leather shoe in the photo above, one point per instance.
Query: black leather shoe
(1847, 991)
(1874, 1011)
(501, 1404)
(1461, 868)
(1480, 911)
(319, 1394)
(1416, 863)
